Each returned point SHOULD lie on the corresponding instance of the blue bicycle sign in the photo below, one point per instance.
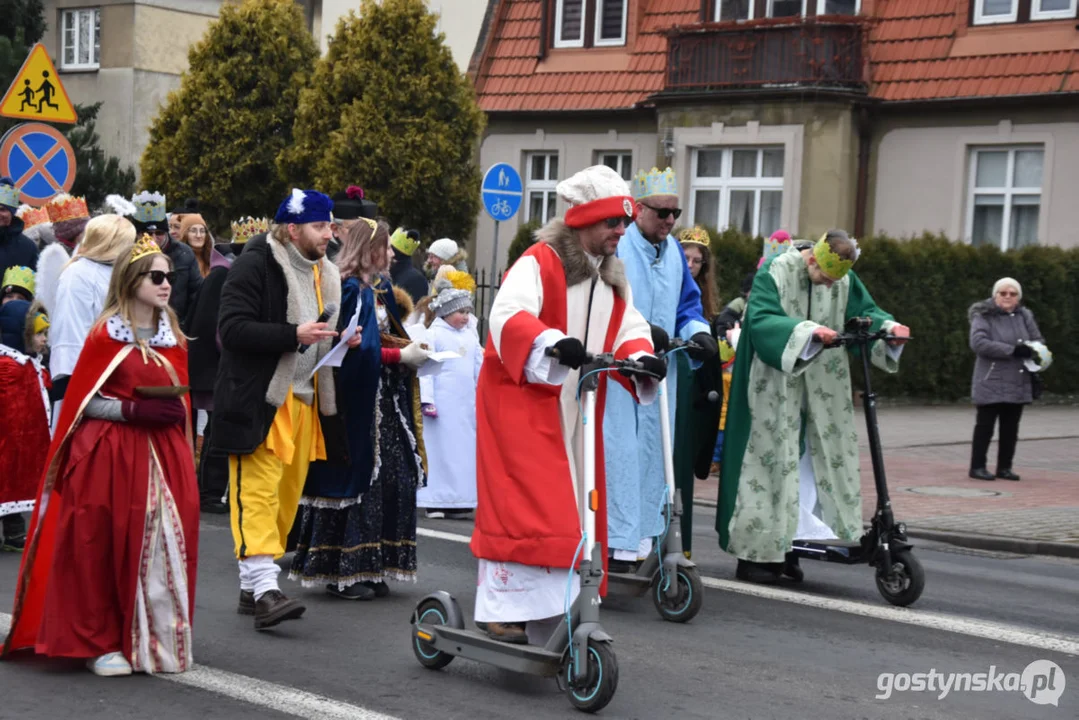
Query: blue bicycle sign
(502, 191)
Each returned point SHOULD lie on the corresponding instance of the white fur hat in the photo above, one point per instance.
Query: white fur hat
(595, 194)
(443, 248)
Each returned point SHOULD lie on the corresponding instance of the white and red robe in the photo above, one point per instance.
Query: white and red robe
(529, 442)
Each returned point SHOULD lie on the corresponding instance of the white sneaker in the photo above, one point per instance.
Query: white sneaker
(111, 664)
(434, 514)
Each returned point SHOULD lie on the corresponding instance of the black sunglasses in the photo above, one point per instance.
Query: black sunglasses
(664, 213)
(614, 222)
(159, 276)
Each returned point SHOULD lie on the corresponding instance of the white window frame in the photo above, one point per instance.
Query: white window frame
(547, 186)
(95, 52)
(558, 41)
(1009, 191)
(1036, 12)
(770, 9)
(609, 42)
(821, 5)
(625, 159)
(981, 19)
(725, 183)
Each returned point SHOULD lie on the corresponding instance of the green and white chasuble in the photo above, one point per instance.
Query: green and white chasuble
(790, 456)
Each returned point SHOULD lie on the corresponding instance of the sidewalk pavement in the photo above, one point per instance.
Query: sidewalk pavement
(927, 457)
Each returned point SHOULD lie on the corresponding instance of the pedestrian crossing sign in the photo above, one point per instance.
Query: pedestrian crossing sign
(37, 93)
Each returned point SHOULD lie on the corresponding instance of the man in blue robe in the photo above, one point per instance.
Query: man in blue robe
(666, 294)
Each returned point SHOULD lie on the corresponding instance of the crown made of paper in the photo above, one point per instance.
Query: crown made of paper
(695, 235)
(403, 242)
(829, 261)
(248, 227)
(32, 216)
(778, 243)
(41, 323)
(149, 207)
(144, 246)
(654, 182)
(65, 207)
(9, 195)
(19, 276)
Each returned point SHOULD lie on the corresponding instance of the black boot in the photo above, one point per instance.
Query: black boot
(756, 572)
(981, 474)
(791, 568)
(1007, 474)
(273, 608)
(355, 591)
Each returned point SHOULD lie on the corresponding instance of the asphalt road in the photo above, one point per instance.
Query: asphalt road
(744, 656)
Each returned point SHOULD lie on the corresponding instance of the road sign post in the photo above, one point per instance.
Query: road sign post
(502, 192)
(39, 159)
(37, 93)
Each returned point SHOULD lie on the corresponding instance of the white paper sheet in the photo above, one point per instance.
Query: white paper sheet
(433, 366)
(336, 356)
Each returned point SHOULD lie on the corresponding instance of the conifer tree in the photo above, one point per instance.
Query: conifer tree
(218, 137)
(388, 109)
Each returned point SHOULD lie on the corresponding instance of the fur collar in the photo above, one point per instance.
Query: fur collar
(330, 283)
(576, 262)
(120, 331)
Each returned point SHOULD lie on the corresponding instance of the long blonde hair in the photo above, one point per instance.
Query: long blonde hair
(106, 238)
(125, 280)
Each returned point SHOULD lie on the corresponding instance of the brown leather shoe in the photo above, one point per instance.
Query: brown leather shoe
(513, 633)
(247, 603)
(273, 608)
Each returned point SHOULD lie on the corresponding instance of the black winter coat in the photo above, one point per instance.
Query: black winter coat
(185, 285)
(15, 248)
(202, 352)
(254, 334)
(405, 275)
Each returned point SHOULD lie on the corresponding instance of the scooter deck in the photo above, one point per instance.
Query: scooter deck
(474, 645)
(629, 583)
(846, 552)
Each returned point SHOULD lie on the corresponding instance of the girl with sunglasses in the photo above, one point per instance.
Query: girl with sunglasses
(1000, 328)
(109, 568)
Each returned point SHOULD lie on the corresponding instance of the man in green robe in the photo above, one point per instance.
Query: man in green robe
(790, 456)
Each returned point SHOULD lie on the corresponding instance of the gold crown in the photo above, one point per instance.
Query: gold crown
(65, 207)
(696, 235)
(246, 228)
(32, 216)
(143, 247)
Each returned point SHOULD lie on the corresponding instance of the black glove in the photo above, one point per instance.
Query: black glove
(571, 352)
(708, 347)
(1023, 351)
(661, 341)
(649, 364)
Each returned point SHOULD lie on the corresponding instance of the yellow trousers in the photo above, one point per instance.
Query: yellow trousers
(265, 486)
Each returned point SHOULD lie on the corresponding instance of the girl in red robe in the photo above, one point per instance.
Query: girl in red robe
(108, 573)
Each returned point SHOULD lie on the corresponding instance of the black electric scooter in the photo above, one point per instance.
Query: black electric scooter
(900, 577)
(673, 579)
(586, 666)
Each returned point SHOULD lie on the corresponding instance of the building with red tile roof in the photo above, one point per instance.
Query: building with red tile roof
(893, 116)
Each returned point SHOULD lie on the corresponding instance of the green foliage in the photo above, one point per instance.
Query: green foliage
(929, 284)
(525, 237)
(218, 137)
(96, 174)
(388, 109)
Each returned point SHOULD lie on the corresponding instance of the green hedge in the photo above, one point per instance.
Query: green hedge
(526, 235)
(929, 284)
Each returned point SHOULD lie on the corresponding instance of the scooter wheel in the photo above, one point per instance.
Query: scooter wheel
(601, 680)
(430, 612)
(688, 597)
(905, 583)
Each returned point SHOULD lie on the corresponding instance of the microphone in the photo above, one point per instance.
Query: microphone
(327, 311)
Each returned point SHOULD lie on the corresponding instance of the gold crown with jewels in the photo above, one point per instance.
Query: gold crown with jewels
(248, 227)
(144, 246)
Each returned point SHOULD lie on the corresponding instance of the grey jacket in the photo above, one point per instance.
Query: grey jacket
(999, 377)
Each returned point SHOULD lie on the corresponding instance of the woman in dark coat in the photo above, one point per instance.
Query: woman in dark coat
(1000, 327)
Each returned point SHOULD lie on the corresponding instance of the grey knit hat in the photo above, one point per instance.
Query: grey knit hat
(450, 301)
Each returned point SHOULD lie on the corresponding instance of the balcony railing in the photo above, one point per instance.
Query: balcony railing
(767, 54)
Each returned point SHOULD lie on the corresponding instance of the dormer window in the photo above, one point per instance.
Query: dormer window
(587, 23)
(992, 12)
(726, 10)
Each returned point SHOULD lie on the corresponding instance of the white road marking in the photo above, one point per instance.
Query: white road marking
(999, 632)
(253, 691)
